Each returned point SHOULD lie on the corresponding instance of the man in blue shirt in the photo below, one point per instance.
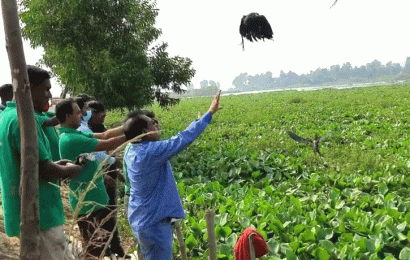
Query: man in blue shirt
(155, 202)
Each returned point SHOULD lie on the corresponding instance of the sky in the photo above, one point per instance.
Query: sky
(308, 34)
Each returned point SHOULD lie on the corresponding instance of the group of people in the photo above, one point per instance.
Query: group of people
(77, 152)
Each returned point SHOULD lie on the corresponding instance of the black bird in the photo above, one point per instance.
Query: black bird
(255, 27)
(315, 141)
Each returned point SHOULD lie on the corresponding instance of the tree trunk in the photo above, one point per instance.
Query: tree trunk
(29, 225)
(64, 92)
(210, 221)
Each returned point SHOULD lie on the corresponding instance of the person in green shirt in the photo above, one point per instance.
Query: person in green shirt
(95, 207)
(50, 132)
(50, 203)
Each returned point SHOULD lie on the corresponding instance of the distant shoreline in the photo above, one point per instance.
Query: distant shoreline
(310, 88)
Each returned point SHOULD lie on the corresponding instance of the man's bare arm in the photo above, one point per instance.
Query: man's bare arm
(63, 169)
(110, 133)
(53, 121)
(110, 144)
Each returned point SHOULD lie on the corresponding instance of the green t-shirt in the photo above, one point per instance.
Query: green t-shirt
(51, 133)
(127, 186)
(72, 144)
(50, 203)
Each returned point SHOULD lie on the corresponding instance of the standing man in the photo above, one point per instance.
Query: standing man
(111, 173)
(94, 212)
(52, 240)
(155, 203)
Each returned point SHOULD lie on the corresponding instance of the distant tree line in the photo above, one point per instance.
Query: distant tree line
(207, 88)
(336, 74)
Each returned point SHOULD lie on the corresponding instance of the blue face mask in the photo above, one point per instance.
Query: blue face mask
(88, 115)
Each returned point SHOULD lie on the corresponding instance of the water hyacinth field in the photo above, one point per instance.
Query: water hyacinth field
(353, 202)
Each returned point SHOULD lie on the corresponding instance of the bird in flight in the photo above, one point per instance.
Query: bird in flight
(315, 141)
(255, 27)
(334, 3)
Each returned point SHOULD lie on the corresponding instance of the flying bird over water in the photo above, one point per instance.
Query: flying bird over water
(255, 27)
(315, 141)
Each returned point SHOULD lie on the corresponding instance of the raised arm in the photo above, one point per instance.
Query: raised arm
(164, 150)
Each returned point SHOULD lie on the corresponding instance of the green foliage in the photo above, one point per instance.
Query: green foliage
(102, 48)
(352, 203)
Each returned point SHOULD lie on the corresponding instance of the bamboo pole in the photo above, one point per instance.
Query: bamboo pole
(210, 223)
(29, 215)
(251, 246)
(180, 240)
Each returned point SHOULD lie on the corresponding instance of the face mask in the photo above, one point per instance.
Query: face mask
(47, 107)
(88, 115)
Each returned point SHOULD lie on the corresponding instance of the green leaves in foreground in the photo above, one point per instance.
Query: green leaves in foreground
(351, 203)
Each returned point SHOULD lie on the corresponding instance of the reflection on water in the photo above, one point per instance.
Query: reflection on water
(315, 88)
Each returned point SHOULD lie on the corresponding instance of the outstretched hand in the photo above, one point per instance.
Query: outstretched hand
(215, 103)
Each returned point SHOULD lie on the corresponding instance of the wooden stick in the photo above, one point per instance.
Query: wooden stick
(181, 241)
(210, 223)
(251, 246)
(29, 215)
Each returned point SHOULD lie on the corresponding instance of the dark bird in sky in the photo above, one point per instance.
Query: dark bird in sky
(255, 27)
(315, 141)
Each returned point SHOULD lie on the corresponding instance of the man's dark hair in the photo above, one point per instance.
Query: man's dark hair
(36, 76)
(81, 99)
(137, 112)
(135, 124)
(6, 92)
(64, 108)
(96, 106)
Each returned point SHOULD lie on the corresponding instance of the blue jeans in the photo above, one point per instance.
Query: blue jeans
(156, 241)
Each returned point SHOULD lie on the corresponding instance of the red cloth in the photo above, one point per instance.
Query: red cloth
(241, 249)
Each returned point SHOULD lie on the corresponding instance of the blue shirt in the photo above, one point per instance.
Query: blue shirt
(154, 192)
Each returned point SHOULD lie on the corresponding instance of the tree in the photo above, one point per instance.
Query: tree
(241, 82)
(406, 68)
(208, 87)
(346, 70)
(102, 48)
(29, 215)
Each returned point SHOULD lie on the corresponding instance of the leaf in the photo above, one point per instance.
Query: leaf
(223, 231)
(290, 255)
(269, 189)
(405, 254)
(244, 221)
(256, 174)
(307, 236)
(225, 249)
(382, 188)
(322, 254)
(340, 204)
(273, 246)
(328, 245)
(232, 239)
(224, 219)
(222, 209)
(191, 242)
